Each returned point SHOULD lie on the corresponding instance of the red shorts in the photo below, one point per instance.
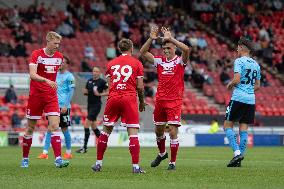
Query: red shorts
(167, 112)
(124, 107)
(42, 102)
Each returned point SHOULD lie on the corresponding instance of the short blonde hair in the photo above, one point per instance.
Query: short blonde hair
(52, 35)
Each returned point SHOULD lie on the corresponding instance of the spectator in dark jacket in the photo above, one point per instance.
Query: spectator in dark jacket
(10, 95)
(225, 77)
(16, 120)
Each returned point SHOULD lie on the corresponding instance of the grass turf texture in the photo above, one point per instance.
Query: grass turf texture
(198, 167)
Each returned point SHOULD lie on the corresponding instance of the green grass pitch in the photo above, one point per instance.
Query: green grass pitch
(199, 167)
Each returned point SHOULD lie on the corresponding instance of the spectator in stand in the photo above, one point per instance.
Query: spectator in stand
(15, 16)
(124, 27)
(20, 49)
(76, 119)
(193, 40)
(263, 34)
(85, 67)
(89, 52)
(263, 80)
(94, 23)
(97, 6)
(277, 5)
(197, 78)
(80, 12)
(16, 120)
(225, 76)
(65, 30)
(10, 95)
(111, 51)
(18, 33)
(4, 48)
(201, 41)
(27, 35)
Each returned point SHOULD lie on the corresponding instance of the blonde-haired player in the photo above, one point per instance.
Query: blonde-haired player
(43, 67)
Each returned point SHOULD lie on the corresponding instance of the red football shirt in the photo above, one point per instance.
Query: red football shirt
(170, 78)
(47, 67)
(123, 72)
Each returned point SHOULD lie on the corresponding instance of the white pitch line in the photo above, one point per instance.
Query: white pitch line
(188, 159)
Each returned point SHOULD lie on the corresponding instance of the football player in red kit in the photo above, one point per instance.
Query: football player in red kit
(43, 67)
(125, 79)
(170, 70)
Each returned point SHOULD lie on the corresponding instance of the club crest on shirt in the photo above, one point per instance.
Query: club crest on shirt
(168, 68)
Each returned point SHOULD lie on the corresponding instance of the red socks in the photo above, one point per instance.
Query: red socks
(27, 142)
(134, 148)
(174, 149)
(102, 145)
(161, 142)
(56, 144)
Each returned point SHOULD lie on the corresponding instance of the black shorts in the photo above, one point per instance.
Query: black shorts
(65, 120)
(93, 112)
(240, 112)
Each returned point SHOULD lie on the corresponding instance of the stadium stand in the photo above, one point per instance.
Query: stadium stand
(102, 22)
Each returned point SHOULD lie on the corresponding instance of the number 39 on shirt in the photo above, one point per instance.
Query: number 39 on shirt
(125, 71)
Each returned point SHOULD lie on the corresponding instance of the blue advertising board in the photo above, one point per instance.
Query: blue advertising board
(254, 140)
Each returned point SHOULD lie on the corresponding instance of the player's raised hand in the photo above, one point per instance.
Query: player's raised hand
(142, 106)
(52, 84)
(167, 33)
(154, 32)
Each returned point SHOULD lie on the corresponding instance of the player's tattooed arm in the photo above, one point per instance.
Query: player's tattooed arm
(236, 80)
(257, 85)
(184, 48)
(34, 76)
(145, 48)
(140, 92)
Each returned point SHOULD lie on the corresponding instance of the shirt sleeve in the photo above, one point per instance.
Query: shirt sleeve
(71, 82)
(258, 73)
(33, 59)
(107, 72)
(237, 66)
(184, 64)
(157, 60)
(140, 70)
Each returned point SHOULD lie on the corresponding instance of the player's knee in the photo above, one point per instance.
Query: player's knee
(64, 129)
(30, 130)
(107, 130)
(53, 126)
(159, 130)
(173, 132)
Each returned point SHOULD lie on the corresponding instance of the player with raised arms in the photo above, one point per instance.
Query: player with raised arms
(170, 70)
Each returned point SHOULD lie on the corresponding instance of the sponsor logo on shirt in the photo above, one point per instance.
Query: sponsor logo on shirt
(49, 61)
(168, 68)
